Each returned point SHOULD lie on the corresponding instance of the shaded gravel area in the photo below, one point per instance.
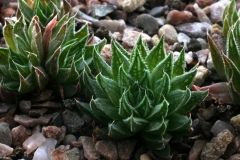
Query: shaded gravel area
(184, 23)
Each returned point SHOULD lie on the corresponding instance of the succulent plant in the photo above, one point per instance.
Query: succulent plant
(46, 10)
(227, 64)
(145, 93)
(35, 57)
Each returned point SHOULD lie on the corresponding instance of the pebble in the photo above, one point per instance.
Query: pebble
(217, 146)
(235, 121)
(155, 40)
(202, 74)
(161, 20)
(216, 10)
(43, 96)
(58, 155)
(73, 154)
(4, 107)
(47, 104)
(232, 147)
(202, 56)
(196, 149)
(148, 23)
(25, 106)
(77, 144)
(175, 4)
(182, 37)
(5, 150)
(130, 37)
(43, 151)
(68, 138)
(189, 57)
(89, 148)
(57, 133)
(157, 11)
(119, 14)
(99, 11)
(176, 17)
(194, 45)
(125, 149)
(32, 122)
(5, 134)
(208, 113)
(106, 53)
(107, 149)
(113, 25)
(234, 157)
(169, 32)
(33, 142)
(195, 29)
(145, 157)
(202, 17)
(204, 44)
(20, 134)
(37, 112)
(219, 126)
(204, 3)
(72, 121)
(130, 5)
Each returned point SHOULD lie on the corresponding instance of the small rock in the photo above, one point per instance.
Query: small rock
(5, 134)
(5, 150)
(89, 148)
(202, 74)
(101, 10)
(63, 147)
(196, 150)
(202, 17)
(204, 3)
(155, 40)
(232, 147)
(6, 12)
(72, 121)
(194, 45)
(106, 53)
(107, 149)
(130, 37)
(161, 20)
(176, 17)
(125, 149)
(130, 5)
(235, 121)
(217, 146)
(73, 154)
(25, 106)
(32, 122)
(58, 155)
(47, 104)
(183, 38)
(37, 112)
(148, 23)
(208, 113)
(157, 11)
(195, 29)
(20, 134)
(68, 138)
(113, 25)
(77, 144)
(203, 43)
(189, 58)
(175, 4)
(145, 157)
(202, 56)
(54, 132)
(69, 103)
(169, 32)
(219, 126)
(33, 142)
(43, 151)
(119, 14)
(4, 107)
(216, 10)
(234, 157)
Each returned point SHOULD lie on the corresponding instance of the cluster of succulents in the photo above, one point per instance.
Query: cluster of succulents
(144, 93)
(227, 64)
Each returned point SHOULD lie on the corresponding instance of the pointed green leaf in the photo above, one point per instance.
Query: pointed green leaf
(9, 36)
(4, 56)
(158, 111)
(52, 65)
(141, 47)
(110, 87)
(144, 107)
(177, 122)
(179, 65)
(118, 130)
(41, 77)
(25, 9)
(156, 127)
(135, 123)
(125, 108)
(156, 55)
(25, 84)
(124, 79)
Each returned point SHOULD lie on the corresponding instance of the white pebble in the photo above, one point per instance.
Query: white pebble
(33, 142)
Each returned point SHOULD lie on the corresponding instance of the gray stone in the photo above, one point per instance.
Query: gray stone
(32, 122)
(73, 154)
(5, 134)
(130, 5)
(196, 150)
(219, 126)
(101, 10)
(195, 29)
(107, 149)
(125, 149)
(89, 148)
(68, 138)
(157, 11)
(72, 121)
(148, 23)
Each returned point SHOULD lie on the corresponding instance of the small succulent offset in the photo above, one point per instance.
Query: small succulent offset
(33, 58)
(227, 64)
(46, 10)
(145, 93)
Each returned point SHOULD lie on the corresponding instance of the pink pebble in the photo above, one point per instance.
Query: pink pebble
(176, 17)
(33, 142)
(5, 150)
